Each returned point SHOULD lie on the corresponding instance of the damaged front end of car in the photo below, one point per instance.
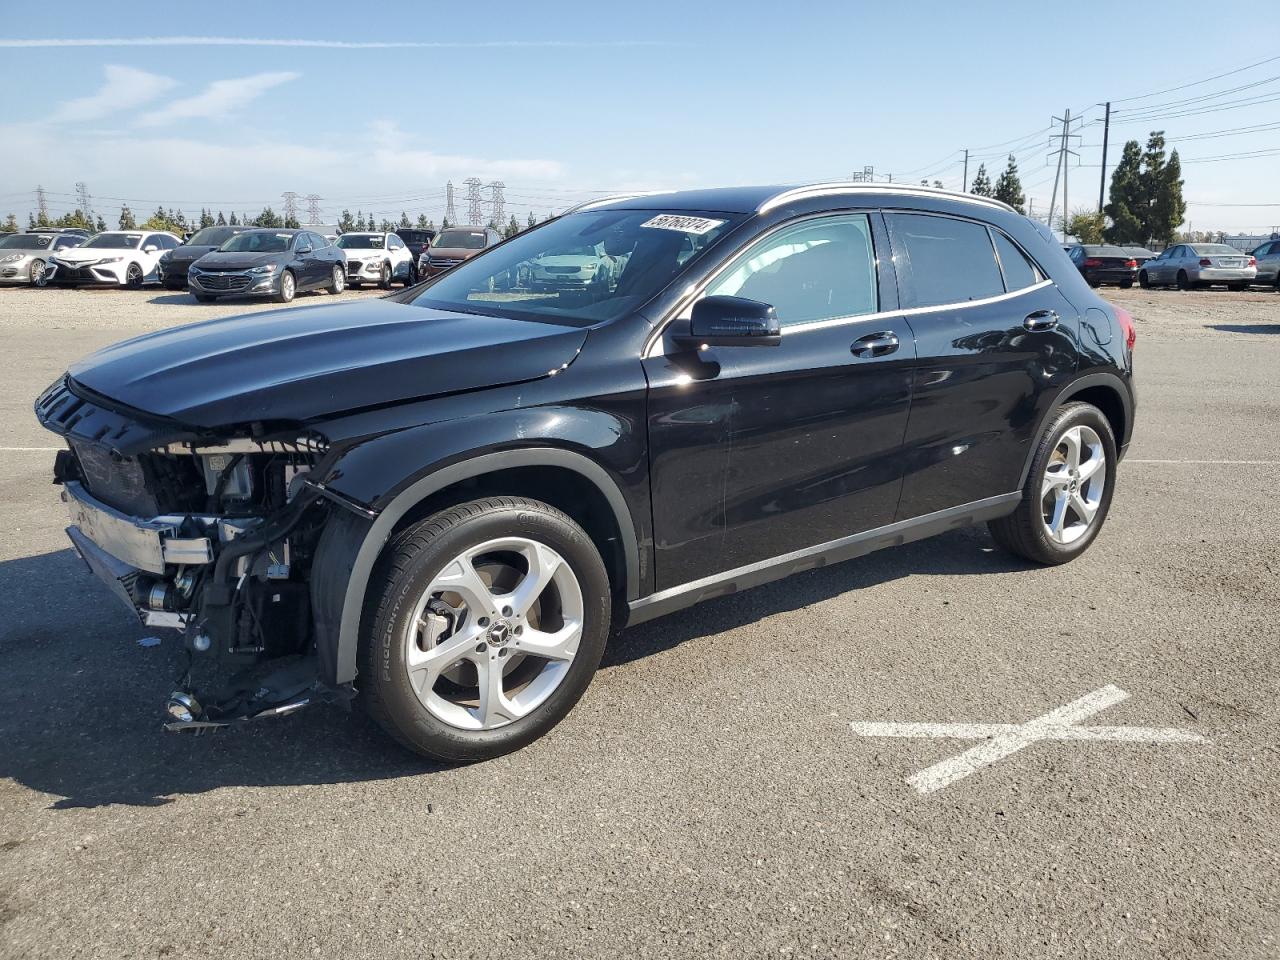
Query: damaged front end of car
(211, 533)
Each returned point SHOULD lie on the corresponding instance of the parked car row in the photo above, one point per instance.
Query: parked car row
(1185, 265)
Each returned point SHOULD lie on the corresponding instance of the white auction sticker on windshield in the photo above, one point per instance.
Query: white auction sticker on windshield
(694, 225)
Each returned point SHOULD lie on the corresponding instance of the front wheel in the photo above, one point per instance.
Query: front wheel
(484, 625)
(1144, 281)
(133, 276)
(1126, 284)
(1068, 490)
(38, 276)
(288, 287)
(1184, 282)
(338, 281)
(384, 281)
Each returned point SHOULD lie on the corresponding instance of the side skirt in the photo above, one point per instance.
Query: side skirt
(835, 551)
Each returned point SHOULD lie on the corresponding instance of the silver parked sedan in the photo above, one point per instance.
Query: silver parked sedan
(23, 255)
(1191, 265)
(1268, 257)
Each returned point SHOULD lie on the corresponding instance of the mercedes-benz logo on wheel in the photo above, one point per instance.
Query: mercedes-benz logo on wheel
(499, 633)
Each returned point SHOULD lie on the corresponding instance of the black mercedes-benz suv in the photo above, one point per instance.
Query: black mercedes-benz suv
(445, 500)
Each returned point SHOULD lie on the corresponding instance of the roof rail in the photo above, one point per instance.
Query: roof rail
(837, 187)
(613, 198)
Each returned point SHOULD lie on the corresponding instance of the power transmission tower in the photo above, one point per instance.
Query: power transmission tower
(450, 214)
(84, 202)
(473, 200)
(313, 208)
(42, 204)
(1106, 132)
(1065, 153)
(866, 175)
(290, 205)
(497, 201)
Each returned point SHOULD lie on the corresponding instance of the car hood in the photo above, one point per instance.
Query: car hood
(86, 255)
(301, 364)
(239, 261)
(190, 253)
(452, 253)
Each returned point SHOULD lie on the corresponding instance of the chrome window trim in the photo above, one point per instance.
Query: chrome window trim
(836, 188)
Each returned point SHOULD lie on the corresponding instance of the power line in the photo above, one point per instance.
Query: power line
(1196, 83)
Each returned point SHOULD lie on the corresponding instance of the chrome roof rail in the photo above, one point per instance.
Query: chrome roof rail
(836, 188)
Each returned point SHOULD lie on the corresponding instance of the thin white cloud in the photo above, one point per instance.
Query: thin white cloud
(324, 44)
(219, 99)
(126, 88)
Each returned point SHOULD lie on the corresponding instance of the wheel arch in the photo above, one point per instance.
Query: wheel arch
(351, 545)
(1106, 391)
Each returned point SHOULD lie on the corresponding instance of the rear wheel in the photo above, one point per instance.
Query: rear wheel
(338, 282)
(1068, 490)
(1126, 284)
(1144, 281)
(484, 626)
(288, 287)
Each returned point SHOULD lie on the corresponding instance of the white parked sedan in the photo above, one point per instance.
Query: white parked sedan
(1191, 265)
(377, 258)
(126, 258)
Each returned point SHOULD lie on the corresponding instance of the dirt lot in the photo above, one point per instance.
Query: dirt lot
(718, 791)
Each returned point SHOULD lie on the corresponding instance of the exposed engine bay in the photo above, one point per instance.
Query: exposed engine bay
(213, 537)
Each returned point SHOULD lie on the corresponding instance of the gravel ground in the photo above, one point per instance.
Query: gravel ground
(708, 796)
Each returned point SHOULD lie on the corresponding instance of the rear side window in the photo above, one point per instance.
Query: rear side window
(1019, 272)
(943, 260)
(818, 270)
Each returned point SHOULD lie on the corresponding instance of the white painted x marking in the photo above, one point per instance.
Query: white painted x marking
(1005, 739)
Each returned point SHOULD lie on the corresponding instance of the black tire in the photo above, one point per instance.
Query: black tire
(384, 281)
(133, 276)
(410, 276)
(1023, 531)
(337, 280)
(204, 298)
(1238, 287)
(1126, 284)
(407, 567)
(288, 288)
(1184, 282)
(1144, 281)
(1093, 283)
(37, 274)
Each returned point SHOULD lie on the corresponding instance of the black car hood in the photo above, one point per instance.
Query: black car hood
(239, 261)
(188, 254)
(301, 364)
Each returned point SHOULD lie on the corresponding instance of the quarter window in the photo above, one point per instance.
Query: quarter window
(818, 270)
(943, 260)
(1019, 272)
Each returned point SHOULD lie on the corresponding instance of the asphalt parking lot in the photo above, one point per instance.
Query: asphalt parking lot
(732, 784)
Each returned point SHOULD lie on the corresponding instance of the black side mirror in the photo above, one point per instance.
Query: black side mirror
(732, 322)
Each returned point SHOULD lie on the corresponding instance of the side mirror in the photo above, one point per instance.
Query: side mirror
(150, 248)
(304, 249)
(732, 322)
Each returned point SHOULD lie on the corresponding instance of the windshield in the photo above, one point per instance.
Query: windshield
(212, 236)
(362, 241)
(115, 240)
(26, 241)
(256, 241)
(1217, 249)
(464, 239)
(616, 261)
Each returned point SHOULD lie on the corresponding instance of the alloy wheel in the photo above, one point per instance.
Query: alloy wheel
(494, 634)
(339, 279)
(1074, 482)
(39, 274)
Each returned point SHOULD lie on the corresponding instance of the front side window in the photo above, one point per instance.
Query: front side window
(943, 260)
(818, 270)
(580, 269)
(1019, 272)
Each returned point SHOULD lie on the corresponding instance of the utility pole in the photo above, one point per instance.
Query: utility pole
(964, 183)
(473, 200)
(450, 215)
(1064, 154)
(1106, 130)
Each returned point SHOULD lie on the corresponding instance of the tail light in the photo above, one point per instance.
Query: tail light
(1206, 262)
(1093, 262)
(1125, 320)
(1253, 261)
(1131, 264)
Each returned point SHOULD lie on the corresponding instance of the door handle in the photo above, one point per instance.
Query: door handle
(875, 344)
(1041, 320)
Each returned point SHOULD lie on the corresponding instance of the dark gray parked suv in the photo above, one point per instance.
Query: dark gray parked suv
(267, 262)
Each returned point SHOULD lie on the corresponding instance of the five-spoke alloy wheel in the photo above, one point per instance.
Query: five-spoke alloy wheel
(483, 626)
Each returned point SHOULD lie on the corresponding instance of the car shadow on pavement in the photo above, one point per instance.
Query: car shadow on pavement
(81, 700)
(1245, 327)
(175, 300)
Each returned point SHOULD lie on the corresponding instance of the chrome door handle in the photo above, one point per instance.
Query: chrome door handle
(875, 344)
(1041, 320)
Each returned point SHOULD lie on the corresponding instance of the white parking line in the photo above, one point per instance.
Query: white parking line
(30, 449)
(1006, 739)
(1229, 463)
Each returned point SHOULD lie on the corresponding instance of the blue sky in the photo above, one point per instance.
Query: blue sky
(567, 100)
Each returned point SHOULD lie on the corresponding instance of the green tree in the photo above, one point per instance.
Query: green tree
(233, 220)
(221, 221)
(1009, 187)
(444, 224)
(423, 221)
(531, 222)
(1167, 209)
(292, 223)
(158, 221)
(100, 225)
(345, 223)
(268, 218)
(206, 218)
(512, 228)
(126, 221)
(404, 220)
(981, 185)
(1125, 207)
(1086, 225)
(10, 224)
